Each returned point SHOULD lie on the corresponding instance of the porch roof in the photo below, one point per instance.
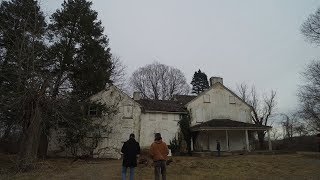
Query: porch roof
(227, 124)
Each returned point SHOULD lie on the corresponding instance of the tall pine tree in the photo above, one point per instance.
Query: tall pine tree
(24, 74)
(81, 48)
(85, 68)
(199, 82)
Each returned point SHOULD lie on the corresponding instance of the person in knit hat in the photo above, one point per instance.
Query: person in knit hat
(159, 152)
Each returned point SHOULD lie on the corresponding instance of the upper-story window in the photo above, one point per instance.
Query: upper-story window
(177, 117)
(152, 117)
(206, 98)
(164, 116)
(232, 100)
(93, 111)
(127, 112)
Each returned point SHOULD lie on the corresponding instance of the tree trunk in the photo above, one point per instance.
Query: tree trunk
(43, 145)
(30, 137)
(6, 134)
(261, 135)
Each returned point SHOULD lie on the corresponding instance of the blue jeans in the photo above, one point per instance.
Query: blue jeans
(124, 172)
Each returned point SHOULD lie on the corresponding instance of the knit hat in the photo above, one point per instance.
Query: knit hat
(157, 136)
(131, 135)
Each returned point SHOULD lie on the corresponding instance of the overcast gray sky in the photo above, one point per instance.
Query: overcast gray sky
(257, 42)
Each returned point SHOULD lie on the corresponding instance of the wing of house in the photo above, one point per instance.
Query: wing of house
(218, 114)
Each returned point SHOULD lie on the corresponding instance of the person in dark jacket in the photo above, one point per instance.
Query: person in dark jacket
(130, 150)
(218, 148)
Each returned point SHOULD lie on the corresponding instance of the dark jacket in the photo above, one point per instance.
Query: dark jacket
(130, 150)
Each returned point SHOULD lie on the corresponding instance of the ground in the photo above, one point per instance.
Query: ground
(292, 166)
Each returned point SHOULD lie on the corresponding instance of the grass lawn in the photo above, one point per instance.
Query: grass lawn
(291, 166)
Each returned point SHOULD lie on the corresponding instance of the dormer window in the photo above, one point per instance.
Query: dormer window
(206, 98)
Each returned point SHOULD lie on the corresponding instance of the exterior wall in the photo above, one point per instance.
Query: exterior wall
(219, 107)
(164, 123)
(121, 126)
(207, 140)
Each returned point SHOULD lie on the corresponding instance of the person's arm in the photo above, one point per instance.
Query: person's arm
(138, 149)
(167, 149)
(151, 151)
(124, 148)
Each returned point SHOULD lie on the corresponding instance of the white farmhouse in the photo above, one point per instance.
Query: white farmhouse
(216, 114)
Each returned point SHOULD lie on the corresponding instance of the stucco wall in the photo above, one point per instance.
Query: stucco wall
(219, 107)
(121, 126)
(164, 123)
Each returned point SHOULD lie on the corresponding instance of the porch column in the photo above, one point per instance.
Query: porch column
(269, 140)
(191, 144)
(227, 140)
(208, 143)
(247, 140)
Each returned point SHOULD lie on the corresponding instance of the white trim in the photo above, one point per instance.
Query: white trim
(167, 112)
(229, 128)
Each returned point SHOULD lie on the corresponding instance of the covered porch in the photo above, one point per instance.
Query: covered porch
(232, 135)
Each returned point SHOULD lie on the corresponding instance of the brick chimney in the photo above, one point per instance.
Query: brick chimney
(214, 80)
(136, 96)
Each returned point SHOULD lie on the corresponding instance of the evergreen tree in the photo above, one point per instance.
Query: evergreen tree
(45, 80)
(81, 48)
(199, 82)
(24, 75)
(85, 68)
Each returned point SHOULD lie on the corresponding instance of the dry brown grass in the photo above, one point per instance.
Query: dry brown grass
(292, 166)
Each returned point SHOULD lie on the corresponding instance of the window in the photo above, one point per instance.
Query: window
(127, 112)
(232, 100)
(164, 116)
(206, 98)
(177, 117)
(93, 111)
(152, 117)
(199, 115)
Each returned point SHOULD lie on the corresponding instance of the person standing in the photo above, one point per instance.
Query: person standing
(159, 152)
(218, 148)
(130, 150)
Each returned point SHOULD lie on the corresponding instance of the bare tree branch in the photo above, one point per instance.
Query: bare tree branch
(159, 81)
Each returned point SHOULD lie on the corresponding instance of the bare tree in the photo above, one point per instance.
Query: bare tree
(311, 28)
(118, 73)
(309, 92)
(288, 124)
(262, 108)
(275, 134)
(309, 95)
(159, 81)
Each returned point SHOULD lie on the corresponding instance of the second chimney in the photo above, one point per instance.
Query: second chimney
(214, 80)
(136, 96)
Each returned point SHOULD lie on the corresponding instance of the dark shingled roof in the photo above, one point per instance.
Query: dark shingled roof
(183, 99)
(226, 123)
(161, 105)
